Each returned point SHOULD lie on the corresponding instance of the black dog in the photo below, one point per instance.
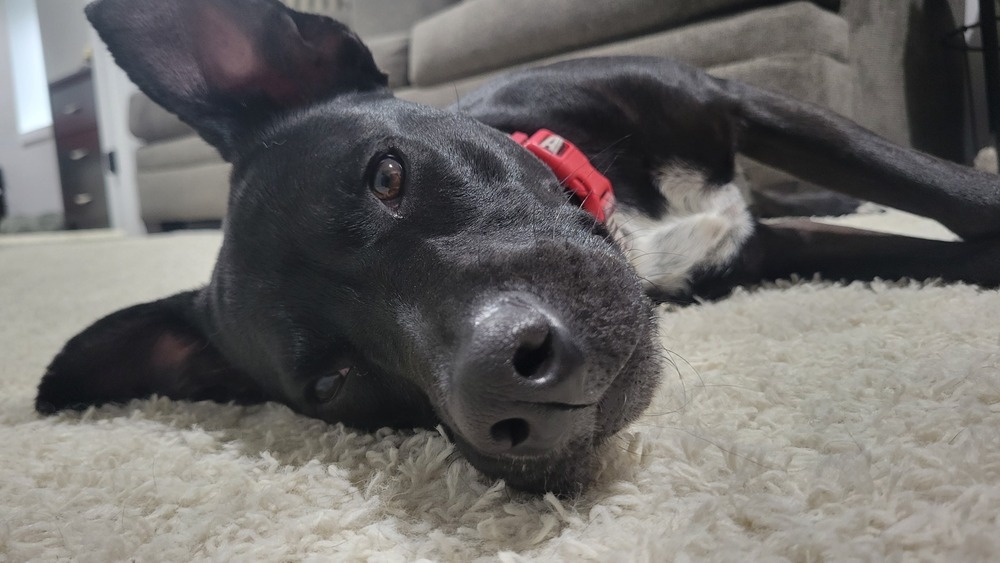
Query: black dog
(391, 264)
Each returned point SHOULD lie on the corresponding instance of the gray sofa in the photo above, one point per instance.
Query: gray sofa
(877, 61)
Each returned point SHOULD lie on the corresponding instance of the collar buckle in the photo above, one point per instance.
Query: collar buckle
(573, 170)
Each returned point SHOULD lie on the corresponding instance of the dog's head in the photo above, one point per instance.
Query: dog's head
(384, 263)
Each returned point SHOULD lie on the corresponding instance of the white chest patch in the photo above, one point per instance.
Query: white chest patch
(705, 227)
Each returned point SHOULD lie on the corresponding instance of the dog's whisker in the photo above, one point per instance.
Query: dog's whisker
(607, 168)
(652, 253)
(611, 145)
(728, 451)
(713, 443)
(670, 358)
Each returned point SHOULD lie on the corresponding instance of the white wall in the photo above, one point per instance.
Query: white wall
(29, 164)
(65, 36)
(114, 90)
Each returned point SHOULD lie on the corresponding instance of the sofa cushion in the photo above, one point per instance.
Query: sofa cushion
(336, 9)
(150, 122)
(371, 18)
(182, 152)
(482, 35)
(810, 77)
(797, 27)
(777, 32)
(195, 193)
(392, 55)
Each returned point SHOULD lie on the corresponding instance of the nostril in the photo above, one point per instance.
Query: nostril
(520, 381)
(513, 431)
(531, 357)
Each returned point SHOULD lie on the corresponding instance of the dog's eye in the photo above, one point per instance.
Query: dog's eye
(387, 180)
(326, 388)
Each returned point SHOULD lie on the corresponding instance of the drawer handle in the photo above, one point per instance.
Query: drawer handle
(72, 109)
(83, 199)
(78, 154)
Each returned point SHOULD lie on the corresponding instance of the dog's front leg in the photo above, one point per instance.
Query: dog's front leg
(822, 147)
(806, 248)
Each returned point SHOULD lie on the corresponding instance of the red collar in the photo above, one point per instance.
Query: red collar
(574, 171)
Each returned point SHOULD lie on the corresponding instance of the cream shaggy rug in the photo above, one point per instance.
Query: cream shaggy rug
(803, 422)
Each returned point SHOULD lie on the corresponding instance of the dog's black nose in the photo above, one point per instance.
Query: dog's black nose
(519, 376)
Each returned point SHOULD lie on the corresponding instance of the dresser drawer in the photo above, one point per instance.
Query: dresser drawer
(73, 105)
(78, 147)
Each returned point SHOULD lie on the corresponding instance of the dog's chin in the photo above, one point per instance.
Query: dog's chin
(571, 468)
(565, 472)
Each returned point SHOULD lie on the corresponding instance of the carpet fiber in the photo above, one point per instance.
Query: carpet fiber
(799, 422)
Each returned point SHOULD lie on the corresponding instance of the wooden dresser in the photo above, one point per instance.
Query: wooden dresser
(74, 124)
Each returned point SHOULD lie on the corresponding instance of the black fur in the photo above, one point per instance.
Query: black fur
(409, 300)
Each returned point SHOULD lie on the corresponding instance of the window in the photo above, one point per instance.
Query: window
(31, 89)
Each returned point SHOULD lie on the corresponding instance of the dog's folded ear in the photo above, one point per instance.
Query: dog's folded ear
(226, 65)
(154, 348)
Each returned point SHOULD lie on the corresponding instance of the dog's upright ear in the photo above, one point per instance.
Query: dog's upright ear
(154, 348)
(224, 66)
